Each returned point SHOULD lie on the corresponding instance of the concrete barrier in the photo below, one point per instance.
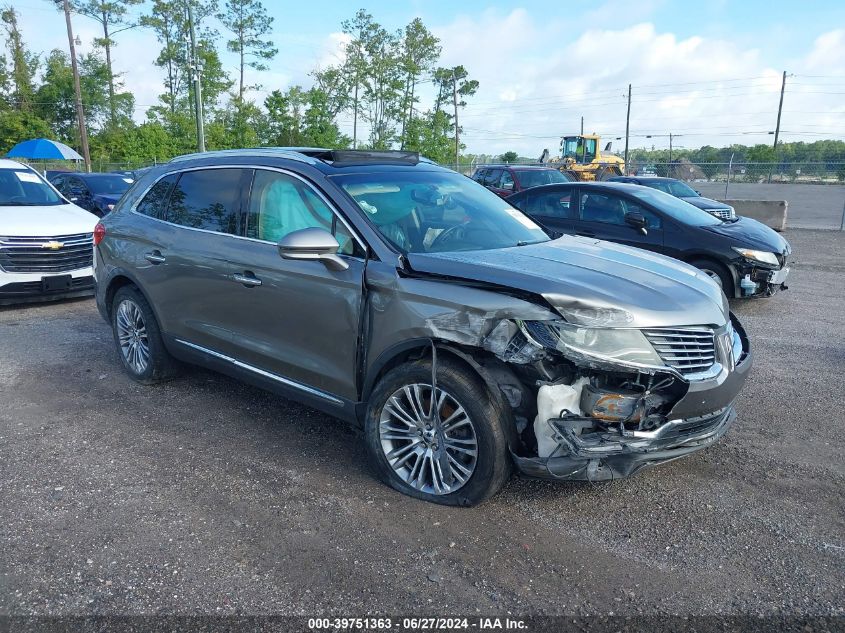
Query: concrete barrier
(770, 212)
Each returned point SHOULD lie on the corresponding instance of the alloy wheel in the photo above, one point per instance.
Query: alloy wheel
(428, 439)
(132, 336)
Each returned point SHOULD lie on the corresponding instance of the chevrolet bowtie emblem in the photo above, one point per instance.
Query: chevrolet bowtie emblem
(52, 245)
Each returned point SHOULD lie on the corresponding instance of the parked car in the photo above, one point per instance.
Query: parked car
(404, 297)
(97, 193)
(745, 257)
(682, 190)
(504, 180)
(45, 241)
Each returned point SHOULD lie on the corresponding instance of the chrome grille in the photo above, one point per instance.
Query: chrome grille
(725, 214)
(40, 254)
(689, 350)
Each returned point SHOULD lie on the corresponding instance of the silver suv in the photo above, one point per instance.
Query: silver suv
(411, 301)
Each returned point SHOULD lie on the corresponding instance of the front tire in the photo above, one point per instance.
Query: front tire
(138, 338)
(454, 453)
(717, 273)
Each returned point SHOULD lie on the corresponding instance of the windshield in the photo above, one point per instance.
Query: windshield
(535, 177)
(435, 212)
(683, 212)
(108, 184)
(674, 187)
(25, 188)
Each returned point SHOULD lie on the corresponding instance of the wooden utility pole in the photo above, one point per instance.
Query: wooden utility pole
(80, 111)
(669, 166)
(780, 109)
(627, 128)
(457, 133)
(196, 68)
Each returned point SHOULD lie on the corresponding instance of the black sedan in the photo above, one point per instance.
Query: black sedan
(746, 258)
(682, 190)
(97, 193)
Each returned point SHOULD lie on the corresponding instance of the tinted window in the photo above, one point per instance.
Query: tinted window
(478, 176)
(551, 204)
(507, 180)
(674, 187)
(155, 202)
(611, 209)
(492, 177)
(676, 208)
(207, 199)
(602, 207)
(536, 177)
(280, 204)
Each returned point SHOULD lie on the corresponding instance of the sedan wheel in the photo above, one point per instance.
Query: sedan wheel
(429, 440)
(132, 336)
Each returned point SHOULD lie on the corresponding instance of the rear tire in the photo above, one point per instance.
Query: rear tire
(428, 457)
(718, 273)
(138, 338)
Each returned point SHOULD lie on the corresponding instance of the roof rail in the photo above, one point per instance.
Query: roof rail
(284, 152)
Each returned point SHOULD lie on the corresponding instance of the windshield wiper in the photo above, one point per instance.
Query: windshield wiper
(528, 243)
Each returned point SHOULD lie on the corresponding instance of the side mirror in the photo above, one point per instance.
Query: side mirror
(312, 244)
(638, 221)
(697, 191)
(508, 186)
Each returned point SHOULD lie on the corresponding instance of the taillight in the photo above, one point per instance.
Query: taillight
(99, 233)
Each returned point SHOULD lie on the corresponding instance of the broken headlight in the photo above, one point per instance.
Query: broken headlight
(622, 345)
(764, 257)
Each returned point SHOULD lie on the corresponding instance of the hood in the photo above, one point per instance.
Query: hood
(583, 272)
(705, 203)
(751, 234)
(46, 221)
(108, 198)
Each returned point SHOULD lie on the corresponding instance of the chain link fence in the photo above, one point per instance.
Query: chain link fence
(748, 172)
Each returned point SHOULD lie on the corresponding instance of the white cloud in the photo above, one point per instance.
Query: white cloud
(538, 78)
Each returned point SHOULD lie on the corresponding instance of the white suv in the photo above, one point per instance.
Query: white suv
(45, 241)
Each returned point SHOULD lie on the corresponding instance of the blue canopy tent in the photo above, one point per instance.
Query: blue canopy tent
(43, 149)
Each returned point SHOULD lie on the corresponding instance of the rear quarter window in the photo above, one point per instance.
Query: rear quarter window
(154, 203)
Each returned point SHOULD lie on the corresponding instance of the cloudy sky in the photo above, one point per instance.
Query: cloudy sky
(707, 71)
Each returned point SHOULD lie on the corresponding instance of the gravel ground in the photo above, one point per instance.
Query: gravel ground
(205, 496)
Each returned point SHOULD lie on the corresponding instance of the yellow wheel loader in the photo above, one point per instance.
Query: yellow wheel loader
(580, 158)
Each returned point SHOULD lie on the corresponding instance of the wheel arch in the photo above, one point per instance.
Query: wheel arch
(691, 257)
(416, 349)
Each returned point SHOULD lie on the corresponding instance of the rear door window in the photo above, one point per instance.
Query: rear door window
(207, 199)
(551, 204)
(492, 177)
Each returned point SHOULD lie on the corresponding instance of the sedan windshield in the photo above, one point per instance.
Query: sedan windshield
(676, 208)
(674, 187)
(108, 184)
(536, 177)
(433, 212)
(25, 188)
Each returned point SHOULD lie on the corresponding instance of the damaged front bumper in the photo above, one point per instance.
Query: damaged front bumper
(614, 456)
(605, 448)
(756, 281)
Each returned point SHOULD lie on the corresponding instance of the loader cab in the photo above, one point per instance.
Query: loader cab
(582, 149)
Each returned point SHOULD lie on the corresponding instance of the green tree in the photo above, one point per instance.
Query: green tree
(429, 134)
(249, 23)
(24, 63)
(112, 17)
(509, 157)
(374, 60)
(419, 52)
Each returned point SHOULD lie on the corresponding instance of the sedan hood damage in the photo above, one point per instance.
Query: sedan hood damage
(574, 272)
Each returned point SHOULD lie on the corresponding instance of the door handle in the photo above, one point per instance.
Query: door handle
(246, 280)
(155, 257)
